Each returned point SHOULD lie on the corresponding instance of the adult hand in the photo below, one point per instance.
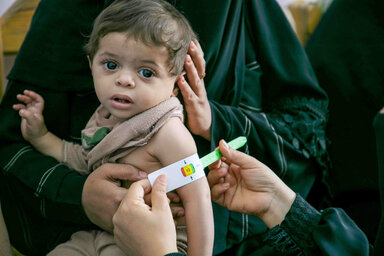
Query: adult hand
(243, 184)
(196, 103)
(102, 192)
(143, 230)
(176, 205)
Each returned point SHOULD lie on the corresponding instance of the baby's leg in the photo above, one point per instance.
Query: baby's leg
(106, 246)
(88, 243)
(80, 244)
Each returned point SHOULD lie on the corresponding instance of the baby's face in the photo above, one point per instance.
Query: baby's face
(129, 76)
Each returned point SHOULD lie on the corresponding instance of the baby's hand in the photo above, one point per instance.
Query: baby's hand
(31, 111)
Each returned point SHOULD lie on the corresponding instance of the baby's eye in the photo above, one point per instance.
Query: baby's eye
(146, 73)
(110, 65)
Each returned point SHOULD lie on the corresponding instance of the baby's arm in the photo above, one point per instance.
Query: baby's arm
(196, 200)
(173, 143)
(33, 127)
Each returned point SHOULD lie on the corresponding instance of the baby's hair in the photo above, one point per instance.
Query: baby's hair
(152, 22)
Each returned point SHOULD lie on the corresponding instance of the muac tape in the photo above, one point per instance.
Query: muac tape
(180, 173)
(191, 168)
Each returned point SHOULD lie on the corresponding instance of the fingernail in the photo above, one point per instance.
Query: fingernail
(225, 185)
(182, 79)
(193, 45)
(189, 60)
(163, 179)
(225, 145)
(143, 174)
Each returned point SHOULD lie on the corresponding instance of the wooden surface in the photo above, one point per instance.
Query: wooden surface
(306, 17)
(14, 24)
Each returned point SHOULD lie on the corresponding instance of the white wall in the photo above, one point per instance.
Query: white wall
(4, 5)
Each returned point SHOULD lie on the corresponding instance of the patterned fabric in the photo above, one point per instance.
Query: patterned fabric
(300, 222)
(306, 231)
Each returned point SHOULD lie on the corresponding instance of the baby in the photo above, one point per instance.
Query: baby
(136, 52)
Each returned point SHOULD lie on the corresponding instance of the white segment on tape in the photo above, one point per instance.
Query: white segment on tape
(180, 173)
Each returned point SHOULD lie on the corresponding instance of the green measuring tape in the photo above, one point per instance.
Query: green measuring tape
(216, 155)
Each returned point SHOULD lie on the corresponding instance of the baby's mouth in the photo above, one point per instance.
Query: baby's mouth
(122, 99)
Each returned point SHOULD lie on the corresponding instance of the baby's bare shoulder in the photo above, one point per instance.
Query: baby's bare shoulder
(173, 142)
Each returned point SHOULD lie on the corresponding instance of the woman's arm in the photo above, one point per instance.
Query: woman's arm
(243, 184)
(328, 232)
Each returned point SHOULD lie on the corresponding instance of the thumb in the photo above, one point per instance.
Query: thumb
(123, 172)
(138, 189)
(159, 194)
(232, 156)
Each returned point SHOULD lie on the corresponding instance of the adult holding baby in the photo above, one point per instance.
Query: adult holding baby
(253, 63)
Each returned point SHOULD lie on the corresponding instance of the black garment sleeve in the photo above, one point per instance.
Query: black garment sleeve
(41, 198)
(281, 109)
(306, 231)
(47, 180)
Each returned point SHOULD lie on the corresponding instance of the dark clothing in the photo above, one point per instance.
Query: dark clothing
(347, 51)
(259, 82)
(328, 232)
(52, 55)
(378, 124)
(306, 231)
(260, 85)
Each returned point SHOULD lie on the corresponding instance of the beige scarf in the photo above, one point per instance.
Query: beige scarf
(106, 139)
